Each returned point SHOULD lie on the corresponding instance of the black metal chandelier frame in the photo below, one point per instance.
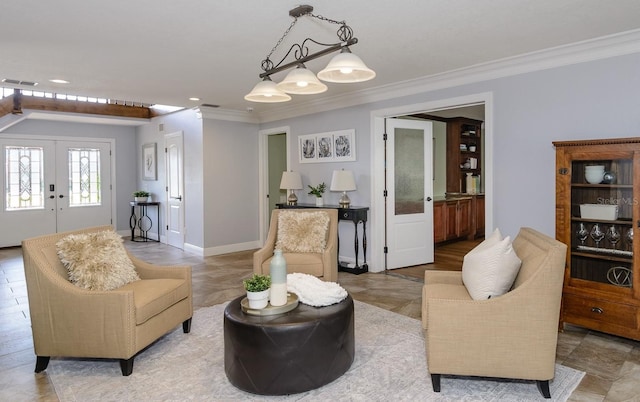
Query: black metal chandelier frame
(301, 50)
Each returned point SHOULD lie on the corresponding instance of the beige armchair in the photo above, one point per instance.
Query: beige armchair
(67, 320)
(323, 265)
(511, 336)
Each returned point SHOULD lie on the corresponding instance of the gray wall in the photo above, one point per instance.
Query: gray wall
(126, 154)
(597, 99)
(230, 184)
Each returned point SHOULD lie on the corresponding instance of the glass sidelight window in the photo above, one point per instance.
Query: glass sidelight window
(84, 177)
(24, 180)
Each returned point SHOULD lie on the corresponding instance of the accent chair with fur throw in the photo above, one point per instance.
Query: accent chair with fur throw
(308, 239)
(89, 298)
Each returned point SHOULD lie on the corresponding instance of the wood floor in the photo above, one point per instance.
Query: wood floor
(612, 364)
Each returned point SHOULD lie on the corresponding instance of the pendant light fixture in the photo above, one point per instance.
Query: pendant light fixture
(345, 67)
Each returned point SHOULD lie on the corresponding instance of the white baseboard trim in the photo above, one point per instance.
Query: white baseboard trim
(228, 248)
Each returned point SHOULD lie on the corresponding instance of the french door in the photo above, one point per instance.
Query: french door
(53, 186)
(409, 213)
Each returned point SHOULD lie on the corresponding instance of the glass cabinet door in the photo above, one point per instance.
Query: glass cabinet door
(602, 205)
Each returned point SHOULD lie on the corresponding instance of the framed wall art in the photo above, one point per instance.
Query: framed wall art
(149, 162)
(335, 146)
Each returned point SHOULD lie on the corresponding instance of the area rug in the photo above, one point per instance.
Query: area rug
(389, 365)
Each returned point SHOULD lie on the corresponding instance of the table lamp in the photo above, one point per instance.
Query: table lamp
(291, 181)
(343, 180)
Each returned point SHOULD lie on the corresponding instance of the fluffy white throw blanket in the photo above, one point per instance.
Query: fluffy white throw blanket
(314, 291)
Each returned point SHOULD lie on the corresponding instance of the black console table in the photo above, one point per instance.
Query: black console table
(143, 223)
(354, 214)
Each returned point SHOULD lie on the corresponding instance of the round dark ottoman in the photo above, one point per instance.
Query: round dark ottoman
(288, 353)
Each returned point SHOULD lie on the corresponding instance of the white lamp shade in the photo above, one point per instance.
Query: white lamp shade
(266, 91)
(301, 81)
(346, 67)
(291, 181)
(343, 180)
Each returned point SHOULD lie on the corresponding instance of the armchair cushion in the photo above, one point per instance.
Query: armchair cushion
(96, 260)
(302, 232)
(490, 269)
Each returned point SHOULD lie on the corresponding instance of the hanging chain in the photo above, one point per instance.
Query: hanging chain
(344, 33)
(267, 64)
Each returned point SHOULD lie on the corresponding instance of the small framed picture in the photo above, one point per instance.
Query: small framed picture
(336, 146)
(308, 148)
(149, 162)
(344, 145)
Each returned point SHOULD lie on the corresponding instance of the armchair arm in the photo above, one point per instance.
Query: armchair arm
(469, 337)
(443, 277)
(69, 321)
(146, 270)
(266, 251)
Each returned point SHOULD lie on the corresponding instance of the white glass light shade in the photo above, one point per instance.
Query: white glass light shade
(266, 91)
(346, 67)
(291, 181)
(343, 180)
(301, 81)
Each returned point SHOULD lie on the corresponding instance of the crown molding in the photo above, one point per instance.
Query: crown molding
(580, 52)
(208, 112)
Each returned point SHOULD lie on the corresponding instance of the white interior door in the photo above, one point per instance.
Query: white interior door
(175, 189)
(409, 212)
(53, 186)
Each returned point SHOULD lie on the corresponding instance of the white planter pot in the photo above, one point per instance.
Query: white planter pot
(140, 199)
(319, 201)
(258, 300)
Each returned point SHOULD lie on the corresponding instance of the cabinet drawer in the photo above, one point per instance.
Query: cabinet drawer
(352, 215)
(602, 311)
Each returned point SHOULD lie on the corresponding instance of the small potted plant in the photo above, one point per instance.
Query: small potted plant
(141, 196)
(257, 288)
(318, 191)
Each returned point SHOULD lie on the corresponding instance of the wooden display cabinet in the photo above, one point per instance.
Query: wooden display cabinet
(463, 135)
(602, 284)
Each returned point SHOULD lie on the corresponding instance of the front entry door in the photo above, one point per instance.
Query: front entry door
(53, 186)
(409, 211)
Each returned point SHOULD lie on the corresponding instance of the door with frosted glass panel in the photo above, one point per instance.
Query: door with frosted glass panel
(409, 211)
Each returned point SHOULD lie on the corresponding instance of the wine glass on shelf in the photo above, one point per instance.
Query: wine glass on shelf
(613, 235)
(582, 233)
(597, 234)
(629, 238)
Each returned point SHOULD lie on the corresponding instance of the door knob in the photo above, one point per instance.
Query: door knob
(61, 196)
(52, 196)
(428, 199)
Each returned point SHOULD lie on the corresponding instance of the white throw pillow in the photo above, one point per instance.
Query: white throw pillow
(490, 269)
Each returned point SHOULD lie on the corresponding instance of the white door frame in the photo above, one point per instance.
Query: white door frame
(377, 216)
(263, 174)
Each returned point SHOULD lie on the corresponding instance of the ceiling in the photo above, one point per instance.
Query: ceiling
(164, 51)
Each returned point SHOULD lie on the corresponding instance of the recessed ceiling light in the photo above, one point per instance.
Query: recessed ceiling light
(194, 99)
(59, 81)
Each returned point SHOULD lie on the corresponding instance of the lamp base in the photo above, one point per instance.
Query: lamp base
(344, 200)
(292, 199)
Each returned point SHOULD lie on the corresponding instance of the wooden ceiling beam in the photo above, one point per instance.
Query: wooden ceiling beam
(69, 106)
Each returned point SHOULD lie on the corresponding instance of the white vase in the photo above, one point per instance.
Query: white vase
(319, 201)
(278, 274)
(258, 300)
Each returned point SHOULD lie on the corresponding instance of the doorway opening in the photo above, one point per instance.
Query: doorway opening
(468, 107)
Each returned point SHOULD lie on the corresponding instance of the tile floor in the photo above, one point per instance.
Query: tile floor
(612, 363)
